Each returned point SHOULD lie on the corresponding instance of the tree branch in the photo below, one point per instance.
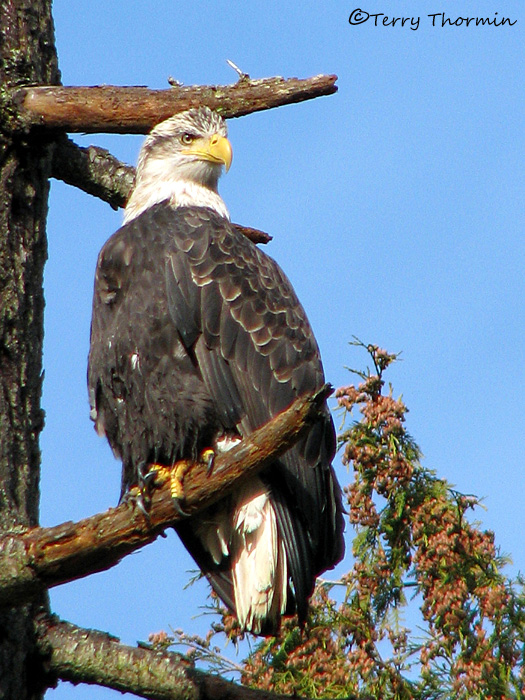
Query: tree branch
(95, 171)
(46, 557)
(127, 110)
(88, 656)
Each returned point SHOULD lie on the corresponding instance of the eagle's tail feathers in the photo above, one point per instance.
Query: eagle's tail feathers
(259, 566)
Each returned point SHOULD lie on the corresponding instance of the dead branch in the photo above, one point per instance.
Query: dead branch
(88, 656)
(95, 171)
(253, 234)
(135, 110)
(45, 557)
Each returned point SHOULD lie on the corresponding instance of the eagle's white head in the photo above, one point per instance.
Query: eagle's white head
(181, 161)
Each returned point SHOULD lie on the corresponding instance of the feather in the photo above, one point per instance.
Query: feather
(197, 334)
(259, 568)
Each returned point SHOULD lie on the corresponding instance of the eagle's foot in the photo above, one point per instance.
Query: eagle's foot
(158, 475)
(174, 475)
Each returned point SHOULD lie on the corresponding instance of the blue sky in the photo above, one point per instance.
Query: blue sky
(396, 208)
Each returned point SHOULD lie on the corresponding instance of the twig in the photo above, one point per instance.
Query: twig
(242, 75)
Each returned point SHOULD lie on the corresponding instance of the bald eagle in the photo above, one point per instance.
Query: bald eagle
(197, 339)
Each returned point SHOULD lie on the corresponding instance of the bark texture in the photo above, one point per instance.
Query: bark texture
(27, 56)
(94, 170)
(90, 656)
(135, 110)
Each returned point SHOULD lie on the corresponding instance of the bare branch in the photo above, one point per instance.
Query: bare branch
(253, 234)
(127, 110)
(46, 557)
(88, 656)
(95, 171)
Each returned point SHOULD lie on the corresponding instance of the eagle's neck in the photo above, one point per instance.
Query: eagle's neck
(176, 191)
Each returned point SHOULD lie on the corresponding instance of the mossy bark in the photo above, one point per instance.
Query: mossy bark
(27, 56)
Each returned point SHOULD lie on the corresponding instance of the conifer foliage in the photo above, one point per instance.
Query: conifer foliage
(414, 547)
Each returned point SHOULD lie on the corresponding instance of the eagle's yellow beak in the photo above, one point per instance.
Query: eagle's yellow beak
(216, 149)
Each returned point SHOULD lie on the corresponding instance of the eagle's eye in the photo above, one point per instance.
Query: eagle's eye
(187, 138)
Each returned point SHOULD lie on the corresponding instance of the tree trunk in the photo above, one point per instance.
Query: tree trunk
(27, 56)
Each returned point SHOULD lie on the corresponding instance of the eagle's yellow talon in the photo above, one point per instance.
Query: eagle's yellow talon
(176, 476)
(162, 473)
(207, 457)
(177, 472)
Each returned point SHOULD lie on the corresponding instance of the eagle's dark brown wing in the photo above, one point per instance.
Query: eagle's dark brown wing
(232, 327)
